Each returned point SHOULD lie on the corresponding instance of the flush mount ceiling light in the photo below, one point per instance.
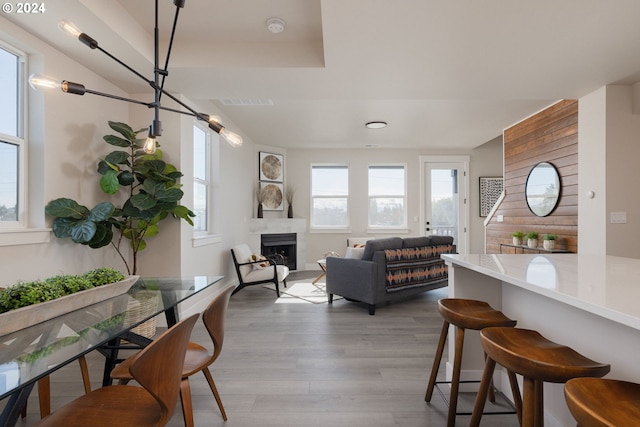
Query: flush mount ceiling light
(275, 25)
(159, 75)
(376, 125)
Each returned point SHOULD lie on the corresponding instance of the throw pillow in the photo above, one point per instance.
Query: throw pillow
(354, 253)
(359, 245)
(259, 265)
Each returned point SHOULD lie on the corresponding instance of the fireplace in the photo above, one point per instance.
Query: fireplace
(282, 244)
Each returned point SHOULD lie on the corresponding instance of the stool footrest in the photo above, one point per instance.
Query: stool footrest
(498, 392)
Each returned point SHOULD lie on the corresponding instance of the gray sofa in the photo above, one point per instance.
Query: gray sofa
(391, 269)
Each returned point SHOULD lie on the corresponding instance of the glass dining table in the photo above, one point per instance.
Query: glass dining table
(36, 351)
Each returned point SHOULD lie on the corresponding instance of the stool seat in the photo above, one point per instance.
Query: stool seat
(472, 314)
(463, 314)
(538, 360)
(596, 402)
(528, 353)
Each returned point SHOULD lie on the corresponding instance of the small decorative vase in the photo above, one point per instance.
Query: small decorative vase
(517, 241)
(260, 210)
(290, 212)
(549, 244)
(532, 243)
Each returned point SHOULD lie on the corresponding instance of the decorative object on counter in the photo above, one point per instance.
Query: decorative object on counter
(260, 199)
(288, 194)
(33, 302)
(490, 191)
(517, 237)
(549, 241)
(542, 189)
(532, 239)
(153, 191)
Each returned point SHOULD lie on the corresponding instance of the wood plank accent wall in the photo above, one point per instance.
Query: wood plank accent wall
(549, 136)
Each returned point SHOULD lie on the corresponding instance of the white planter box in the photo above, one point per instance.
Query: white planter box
(23, 317)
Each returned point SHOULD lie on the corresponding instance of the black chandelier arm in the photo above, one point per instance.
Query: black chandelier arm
(179, 5)
(116, 97)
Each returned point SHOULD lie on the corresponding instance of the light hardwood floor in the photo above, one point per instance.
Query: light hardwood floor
(293, 365)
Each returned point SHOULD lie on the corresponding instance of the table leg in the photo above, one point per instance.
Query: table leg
(12, 411)
(319, 277)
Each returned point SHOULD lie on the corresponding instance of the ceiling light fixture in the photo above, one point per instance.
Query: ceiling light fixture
(275, 25)
(157, 84)
(376, 125)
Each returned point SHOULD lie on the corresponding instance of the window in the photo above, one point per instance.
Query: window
(12, 143)
(201, 179)
(387, 197)
(330, 196)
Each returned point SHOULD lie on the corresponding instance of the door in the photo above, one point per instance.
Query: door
(445, 209)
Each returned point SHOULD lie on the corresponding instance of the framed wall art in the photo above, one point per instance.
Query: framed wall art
(490, 190)
(272, 196)
(271, 167)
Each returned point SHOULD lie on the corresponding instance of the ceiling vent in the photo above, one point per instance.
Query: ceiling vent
(245, 102)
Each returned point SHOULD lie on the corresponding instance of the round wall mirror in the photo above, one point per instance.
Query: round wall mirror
(542, 190)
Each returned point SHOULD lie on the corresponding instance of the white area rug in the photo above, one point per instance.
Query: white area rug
(302, 292)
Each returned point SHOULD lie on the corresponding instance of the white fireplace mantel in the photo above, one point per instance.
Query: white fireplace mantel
(259, 226)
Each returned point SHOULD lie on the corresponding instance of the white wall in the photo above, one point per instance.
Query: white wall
(622, 171)
(487, 160)
(608, 165)
(298, 165)
(592, 235)
(65, 139)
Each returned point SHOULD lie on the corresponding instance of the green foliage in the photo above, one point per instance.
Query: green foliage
(532, 235)
(153, 194)
(550, 236)
(23, 294)
(518, 234)
(69, 284)
(102, 276)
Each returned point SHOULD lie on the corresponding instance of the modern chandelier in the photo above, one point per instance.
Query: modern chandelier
(38, 81)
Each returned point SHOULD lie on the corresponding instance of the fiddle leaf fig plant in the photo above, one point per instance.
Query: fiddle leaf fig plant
(152, 190)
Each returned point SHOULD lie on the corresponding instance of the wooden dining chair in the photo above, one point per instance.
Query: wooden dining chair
(198, 358)
(157, 368)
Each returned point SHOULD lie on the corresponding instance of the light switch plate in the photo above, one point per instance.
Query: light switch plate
(618, 217)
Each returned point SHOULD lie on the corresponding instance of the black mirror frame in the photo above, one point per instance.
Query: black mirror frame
(559, 193)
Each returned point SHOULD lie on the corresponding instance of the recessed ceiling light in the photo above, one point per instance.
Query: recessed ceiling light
(376, 125)
(275, 25)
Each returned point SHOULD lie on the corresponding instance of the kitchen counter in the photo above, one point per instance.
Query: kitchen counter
(588, 302)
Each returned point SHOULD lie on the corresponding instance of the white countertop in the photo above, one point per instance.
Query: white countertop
(607, 286)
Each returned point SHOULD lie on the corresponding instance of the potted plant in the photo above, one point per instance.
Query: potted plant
(517, 237)
(152, 190)
(288, 194)
(532, 239)
(260, 198)
(549, 241)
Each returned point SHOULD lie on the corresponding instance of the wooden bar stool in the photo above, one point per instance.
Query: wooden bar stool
(463, 314)
(538, 360)
(596, 402)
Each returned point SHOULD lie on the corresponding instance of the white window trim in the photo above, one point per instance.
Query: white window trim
(17, 233)
(210, 236)
(314, 229)
(404, 228)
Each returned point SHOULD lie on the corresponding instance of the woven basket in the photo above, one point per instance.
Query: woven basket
(140, 306)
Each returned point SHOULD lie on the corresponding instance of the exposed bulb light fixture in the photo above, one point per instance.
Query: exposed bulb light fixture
(41, 82)
(376, 125)
(232, 138)
(149, 146)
